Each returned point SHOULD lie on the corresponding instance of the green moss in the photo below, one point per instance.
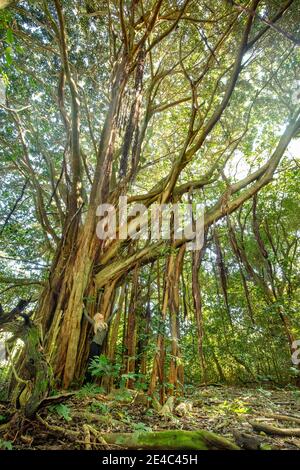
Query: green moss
(171, 440)
(39, 385)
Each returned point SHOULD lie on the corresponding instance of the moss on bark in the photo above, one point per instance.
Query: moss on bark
(171, 440)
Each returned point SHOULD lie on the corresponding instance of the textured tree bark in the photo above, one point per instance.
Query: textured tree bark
(6, 3)
(60, 310)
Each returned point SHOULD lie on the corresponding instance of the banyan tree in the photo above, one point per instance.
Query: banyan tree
(153, 100)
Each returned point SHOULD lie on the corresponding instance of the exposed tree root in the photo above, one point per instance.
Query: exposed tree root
(73, 435)
(268, 429)
(282, 417)
(98, 436)
(171, 440)
(167, 440)
(87, 437)
(56, 399)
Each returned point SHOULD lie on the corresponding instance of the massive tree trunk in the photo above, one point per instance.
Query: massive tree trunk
(72, 273)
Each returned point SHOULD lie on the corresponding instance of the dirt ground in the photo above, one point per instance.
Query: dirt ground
(68, 423)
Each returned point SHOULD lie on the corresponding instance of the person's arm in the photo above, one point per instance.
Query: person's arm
(89, 319)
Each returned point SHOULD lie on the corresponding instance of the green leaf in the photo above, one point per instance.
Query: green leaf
(62, 410)
(265, 446)
(141, 427)
(5, 445)
(8, 55)
(9, 36)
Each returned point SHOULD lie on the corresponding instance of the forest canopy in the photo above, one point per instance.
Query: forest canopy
(161, 102)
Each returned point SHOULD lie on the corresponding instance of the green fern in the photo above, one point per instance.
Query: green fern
(62, 410)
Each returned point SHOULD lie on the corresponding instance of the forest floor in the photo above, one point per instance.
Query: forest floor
(68, 423)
